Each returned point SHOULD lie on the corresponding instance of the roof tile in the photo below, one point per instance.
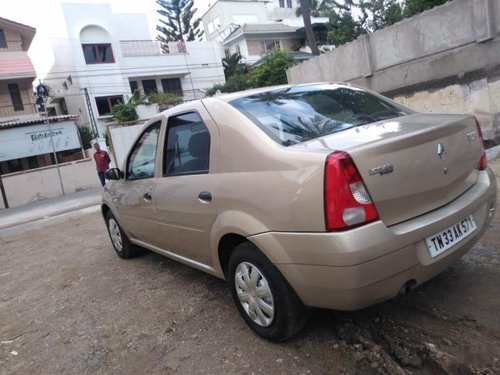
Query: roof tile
(16, 66)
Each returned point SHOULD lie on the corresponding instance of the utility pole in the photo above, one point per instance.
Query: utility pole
(4, 196)
(184, 50)
(42, 93)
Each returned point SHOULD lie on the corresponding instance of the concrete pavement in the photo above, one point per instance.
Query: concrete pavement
(50, 207)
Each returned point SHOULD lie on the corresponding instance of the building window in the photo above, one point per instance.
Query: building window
(172, 85)
(134, 86)
(237, 48)
(288, 3)
(3, 41)
(98, 53)
(282, 3)
(106, 103)
(269, 45)
(227, 52)
(15, 96)
(149, 86)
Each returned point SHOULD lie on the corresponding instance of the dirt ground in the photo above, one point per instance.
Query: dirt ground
(69, 305)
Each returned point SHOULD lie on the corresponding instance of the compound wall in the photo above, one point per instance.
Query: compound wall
(446, 60)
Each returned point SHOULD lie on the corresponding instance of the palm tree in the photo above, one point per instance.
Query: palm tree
(311, 38)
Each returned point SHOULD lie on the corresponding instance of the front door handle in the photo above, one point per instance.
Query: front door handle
(147, 197)
(205, 196)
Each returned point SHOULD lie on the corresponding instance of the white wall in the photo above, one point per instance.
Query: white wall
(227, 10)
(122, 138)
(42, 183)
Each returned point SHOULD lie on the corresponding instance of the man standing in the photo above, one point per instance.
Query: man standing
(102, 161)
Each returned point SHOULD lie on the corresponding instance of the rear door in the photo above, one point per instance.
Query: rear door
(186, 195)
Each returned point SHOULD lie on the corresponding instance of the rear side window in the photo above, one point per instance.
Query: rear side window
(299, 114)
(187, 149)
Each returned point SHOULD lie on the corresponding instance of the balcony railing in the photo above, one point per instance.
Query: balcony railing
(135, 48)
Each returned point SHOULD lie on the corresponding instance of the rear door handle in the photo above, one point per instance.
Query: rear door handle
(205, 196)
(147, 197)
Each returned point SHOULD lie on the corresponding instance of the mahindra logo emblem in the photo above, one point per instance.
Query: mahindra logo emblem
(441, 151)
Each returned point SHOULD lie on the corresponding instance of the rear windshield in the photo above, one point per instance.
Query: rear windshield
(299, 114)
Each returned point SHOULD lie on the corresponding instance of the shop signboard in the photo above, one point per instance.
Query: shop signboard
(26, 141)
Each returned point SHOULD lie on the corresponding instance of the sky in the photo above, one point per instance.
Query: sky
(39, 14)
(36, 13)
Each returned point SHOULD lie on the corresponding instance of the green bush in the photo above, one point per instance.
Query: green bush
(273, 70)
(85, 136)
(165, 100)
(235, 83)
(122, 112)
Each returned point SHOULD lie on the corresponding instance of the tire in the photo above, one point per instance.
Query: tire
(263, 297)
(122, 245)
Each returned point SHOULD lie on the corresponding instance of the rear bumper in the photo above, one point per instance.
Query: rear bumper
(357, 268)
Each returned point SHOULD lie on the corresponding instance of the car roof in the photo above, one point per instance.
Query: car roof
(227, 97)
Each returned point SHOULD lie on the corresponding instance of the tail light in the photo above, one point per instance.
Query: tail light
(347, 202)
(483, 163)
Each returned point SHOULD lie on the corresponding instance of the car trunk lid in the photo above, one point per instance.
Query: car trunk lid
(412, 164)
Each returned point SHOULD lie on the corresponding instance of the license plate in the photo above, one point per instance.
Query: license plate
(442, 241)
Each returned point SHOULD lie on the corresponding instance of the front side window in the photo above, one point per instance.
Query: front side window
(187, 148)
(15, 96)
(142, 160)
(98, 53)
(301, 113)
(282, 3)
(106, 103)
(3, 41)
(288, 3)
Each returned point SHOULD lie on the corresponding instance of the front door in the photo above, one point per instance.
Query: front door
(133, 195)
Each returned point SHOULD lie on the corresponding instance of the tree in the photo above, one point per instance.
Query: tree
(311, 38)
(273, 70)
(233, 65)
(179, 24)
(342, 28)
(370, 16)
(413, 7)
(384, 14)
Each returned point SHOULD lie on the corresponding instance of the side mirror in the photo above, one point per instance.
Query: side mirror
(113, 174)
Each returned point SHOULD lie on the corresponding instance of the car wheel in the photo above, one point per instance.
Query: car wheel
(119, 239)
(263, 297)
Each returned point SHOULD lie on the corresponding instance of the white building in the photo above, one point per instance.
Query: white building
(223, 13)
(101, 57)
(25, 138)
(254, 28)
